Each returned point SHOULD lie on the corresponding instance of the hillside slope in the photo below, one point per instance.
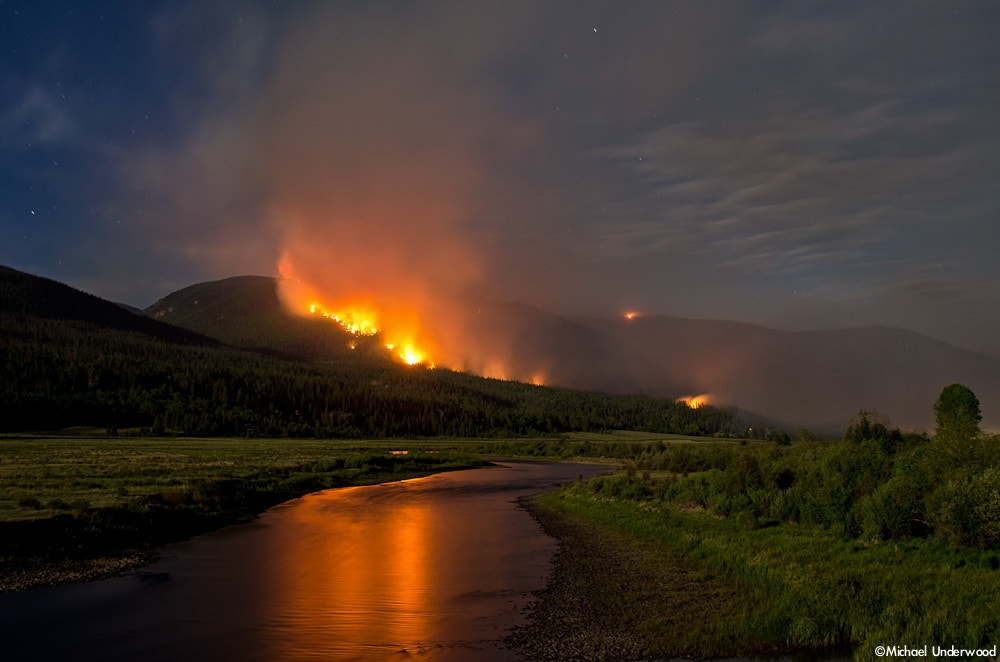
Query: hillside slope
(244, 311)
(815, 379)
(25, 296)
(71, 359)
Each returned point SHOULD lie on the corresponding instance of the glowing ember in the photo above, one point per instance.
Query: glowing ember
(358, 321)
(694, 401)
(411, 355)
(362, 321)
(417, 325)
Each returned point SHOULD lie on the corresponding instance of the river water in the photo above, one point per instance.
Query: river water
(437, 568)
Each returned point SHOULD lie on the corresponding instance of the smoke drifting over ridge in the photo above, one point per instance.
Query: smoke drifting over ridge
(373, 157)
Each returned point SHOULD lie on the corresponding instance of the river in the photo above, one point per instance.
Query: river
(439, 568)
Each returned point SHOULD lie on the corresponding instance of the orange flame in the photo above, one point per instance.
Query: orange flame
(694, 401)
(359, 317)
(418, 324)
(409, 354)
(631, 314)
(356, 320)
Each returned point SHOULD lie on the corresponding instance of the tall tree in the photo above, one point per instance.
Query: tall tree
(957, 413)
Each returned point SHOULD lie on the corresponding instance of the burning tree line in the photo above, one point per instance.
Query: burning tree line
(61, 373)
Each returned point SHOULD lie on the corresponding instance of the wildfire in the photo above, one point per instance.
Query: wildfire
(362, 321)
(390, 320)
(355, 320)
(694, 401)
(631, 314)
(409, 354)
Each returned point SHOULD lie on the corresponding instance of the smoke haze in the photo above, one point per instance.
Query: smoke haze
(796, 166)
(375, 155)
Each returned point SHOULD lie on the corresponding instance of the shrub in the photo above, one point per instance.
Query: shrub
(894, 510)
(30, 502)
(965, 511)
(58, 504)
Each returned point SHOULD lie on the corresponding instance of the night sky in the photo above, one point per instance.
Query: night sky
(799, 165)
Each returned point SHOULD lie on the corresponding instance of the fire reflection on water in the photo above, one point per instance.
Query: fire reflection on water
(362, 582)
(439, 567)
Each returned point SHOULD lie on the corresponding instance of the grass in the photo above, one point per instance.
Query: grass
(788, 587)
(42, 477)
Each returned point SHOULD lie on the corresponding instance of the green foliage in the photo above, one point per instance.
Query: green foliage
(895, 509)
(868, 429)
(874, 485)
(957, 414)
(965, 511)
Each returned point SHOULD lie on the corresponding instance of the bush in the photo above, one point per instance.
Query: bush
(30, 502)
(894, 510)
(59, 504)
(965, 511)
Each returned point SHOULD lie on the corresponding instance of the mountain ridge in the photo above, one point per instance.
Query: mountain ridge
(71, 359)
(818, 378)
(25, 294)
(244, 311)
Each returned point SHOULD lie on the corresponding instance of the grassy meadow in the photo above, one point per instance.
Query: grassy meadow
(42, 477)
(45, 476)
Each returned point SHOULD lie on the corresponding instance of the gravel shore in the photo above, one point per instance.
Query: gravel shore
(85, 570)
(612, 597)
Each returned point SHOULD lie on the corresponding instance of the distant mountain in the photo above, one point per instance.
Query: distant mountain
(818, 379)
(25, 295)
(72, 359)
(814, 379)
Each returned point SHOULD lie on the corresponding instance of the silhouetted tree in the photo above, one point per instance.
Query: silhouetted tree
(957, 414)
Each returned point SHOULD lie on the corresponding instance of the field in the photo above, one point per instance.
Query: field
(42, 477)
(45, 476)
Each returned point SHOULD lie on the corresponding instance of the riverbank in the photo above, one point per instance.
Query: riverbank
(612, 595)
(81, 570)
(639, 577)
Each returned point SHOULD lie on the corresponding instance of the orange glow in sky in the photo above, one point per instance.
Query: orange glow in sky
(397, 328)
(420, 322)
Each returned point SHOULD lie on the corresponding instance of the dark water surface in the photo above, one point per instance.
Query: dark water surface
(436, 568)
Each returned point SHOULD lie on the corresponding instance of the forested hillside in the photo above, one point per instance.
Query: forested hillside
(244, 311)
(100, 365)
